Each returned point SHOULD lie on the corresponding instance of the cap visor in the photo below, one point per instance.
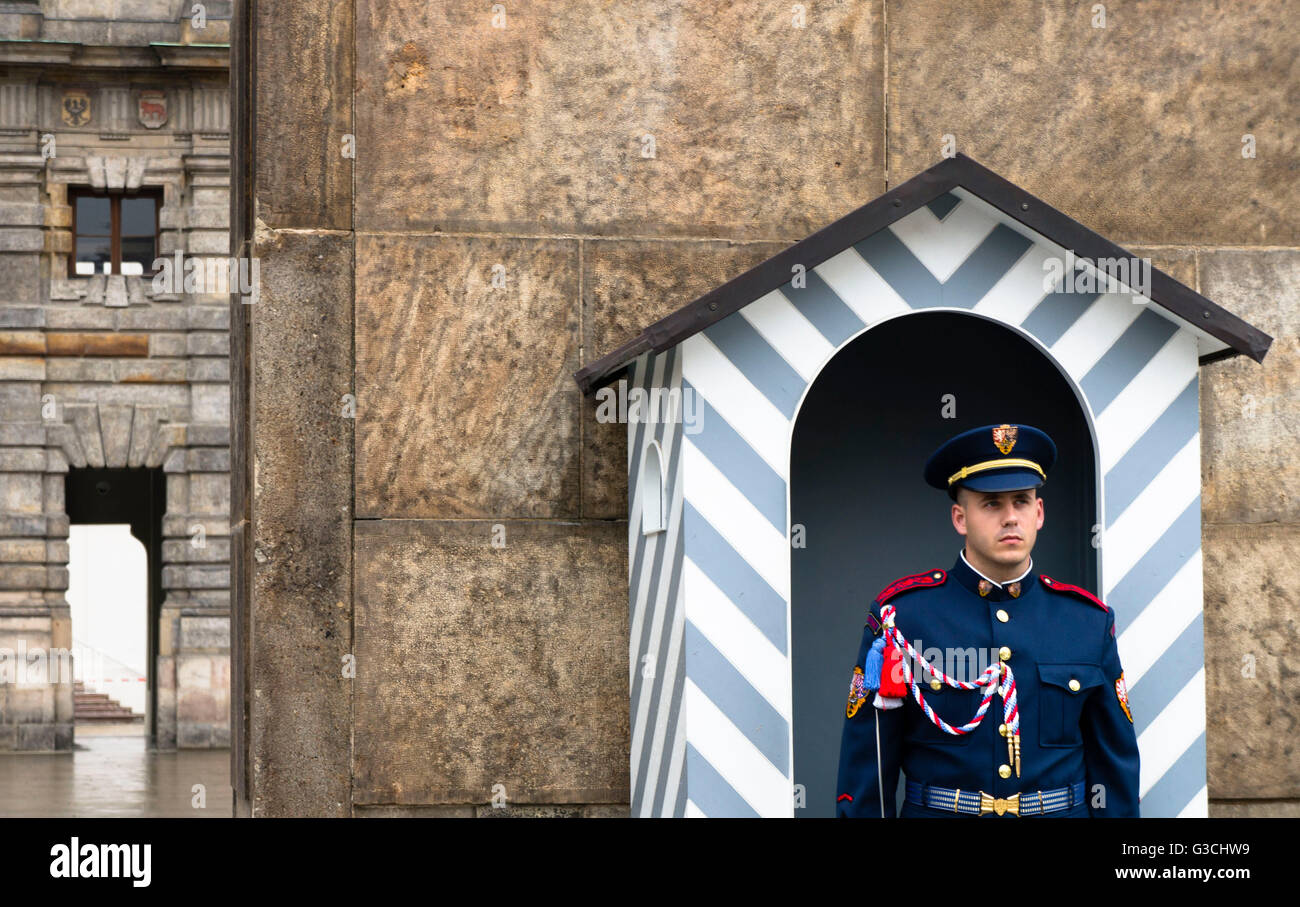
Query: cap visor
(1003, 480)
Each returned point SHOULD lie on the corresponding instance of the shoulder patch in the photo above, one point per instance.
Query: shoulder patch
(1057, 586)
(912, 581)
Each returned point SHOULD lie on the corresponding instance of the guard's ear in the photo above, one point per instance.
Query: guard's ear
(959, 518)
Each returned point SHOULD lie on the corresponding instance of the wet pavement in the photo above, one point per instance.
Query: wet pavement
(112, 773)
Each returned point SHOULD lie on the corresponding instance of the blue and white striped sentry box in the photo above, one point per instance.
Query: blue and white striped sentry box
(708, 511)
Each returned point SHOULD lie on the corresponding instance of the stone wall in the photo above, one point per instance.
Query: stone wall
(531, 187)
(110, 371)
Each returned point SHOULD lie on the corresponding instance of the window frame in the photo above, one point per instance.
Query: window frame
(115, 225)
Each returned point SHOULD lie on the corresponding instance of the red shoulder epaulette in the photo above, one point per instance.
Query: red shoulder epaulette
(1057, 586)
(915, 580)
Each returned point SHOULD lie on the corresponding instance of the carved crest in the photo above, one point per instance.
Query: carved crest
(152, 109)
(76, 108)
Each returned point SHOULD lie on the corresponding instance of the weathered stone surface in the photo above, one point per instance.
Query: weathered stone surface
(82, 318)
(1255, 809)
(210, 402)
(21, 368)
(208, 370)
(161, 317)
(1134, 129)
(205, 632)
(627, 286)
(81, 369)
(482, 665)
(107, 344)
(760, 128)
(299, 702)
(1180, 264)
(606, 811)
(207, 317)
(152, 371)
(1250, 419)
(208, 344)
(16, 317)
(1252, 614)
(22, 343)
(364, 811)
(466, 404)
(167, 344)
(303, 81)
(209, 492)
(528, 812)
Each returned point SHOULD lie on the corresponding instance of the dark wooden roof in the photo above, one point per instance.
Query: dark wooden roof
(959, 171)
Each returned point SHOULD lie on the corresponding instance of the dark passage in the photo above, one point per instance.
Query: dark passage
(136, 497)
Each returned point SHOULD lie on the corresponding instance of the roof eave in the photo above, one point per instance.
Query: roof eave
(1242, 338)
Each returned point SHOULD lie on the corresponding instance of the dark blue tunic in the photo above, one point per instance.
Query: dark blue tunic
(1068, 732)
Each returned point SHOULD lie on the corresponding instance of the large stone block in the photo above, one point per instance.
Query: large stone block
(1135, 129)
(627, 286)
(1255, 809)
(205, 633)
(84, 344)
(480, 665)
(20, 492)
(210, 402)
(466, 405)
(210, 492)
(539, 117)
(409, 812)
(22, 343)
(1252, 597)
(303, 83)
(20, 278)
(300, 570)
(1250, 417)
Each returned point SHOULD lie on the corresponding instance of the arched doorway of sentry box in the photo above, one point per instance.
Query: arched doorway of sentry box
(861, 435)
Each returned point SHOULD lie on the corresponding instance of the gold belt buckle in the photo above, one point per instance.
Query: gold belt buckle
(991, 804)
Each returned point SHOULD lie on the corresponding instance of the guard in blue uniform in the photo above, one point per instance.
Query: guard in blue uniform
(1057, 736)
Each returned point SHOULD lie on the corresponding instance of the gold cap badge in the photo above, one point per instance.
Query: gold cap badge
(1004, 437)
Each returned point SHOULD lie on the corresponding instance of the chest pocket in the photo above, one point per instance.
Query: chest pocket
(952, 705)
(1060, 704)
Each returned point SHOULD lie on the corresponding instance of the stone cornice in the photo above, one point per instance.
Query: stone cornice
(44, 52)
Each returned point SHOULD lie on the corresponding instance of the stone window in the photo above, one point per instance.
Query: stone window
(113, 232)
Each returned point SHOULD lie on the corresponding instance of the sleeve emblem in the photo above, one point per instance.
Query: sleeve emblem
(857, 693)
(1121, 690)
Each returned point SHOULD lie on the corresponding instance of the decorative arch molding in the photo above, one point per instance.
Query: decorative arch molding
(116, 435)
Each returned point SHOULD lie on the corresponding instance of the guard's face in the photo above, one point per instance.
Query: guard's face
(1001, 526)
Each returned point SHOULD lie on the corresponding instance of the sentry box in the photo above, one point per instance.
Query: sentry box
(777, 429)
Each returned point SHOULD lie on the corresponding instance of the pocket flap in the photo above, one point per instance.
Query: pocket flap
(1061, 674)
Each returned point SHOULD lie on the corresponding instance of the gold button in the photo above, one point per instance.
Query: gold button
(1074, 685)
(936, 684)
(1002, 729)
(1004, 771)
(1004, 653)
(1003, 616)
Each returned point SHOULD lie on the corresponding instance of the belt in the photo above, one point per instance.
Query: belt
(976, 802)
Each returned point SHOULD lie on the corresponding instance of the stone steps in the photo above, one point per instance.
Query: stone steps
(99, 707)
